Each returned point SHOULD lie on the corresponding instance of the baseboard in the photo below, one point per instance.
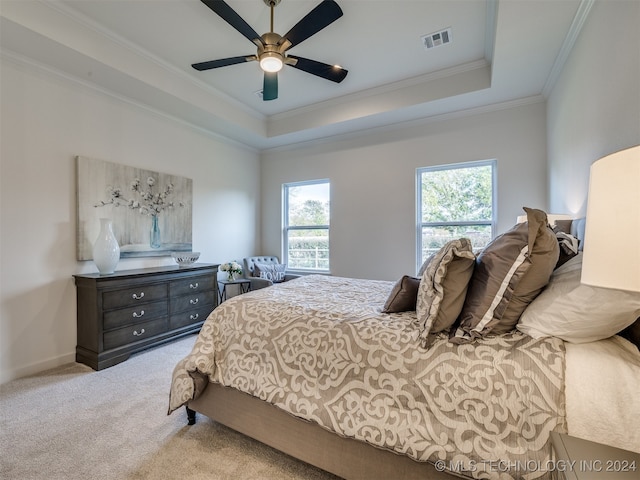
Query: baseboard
(37, 367)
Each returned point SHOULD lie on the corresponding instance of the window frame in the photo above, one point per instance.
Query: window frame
(286, 227)
(453, 166)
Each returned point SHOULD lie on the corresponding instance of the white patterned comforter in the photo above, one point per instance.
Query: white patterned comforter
(320, 348)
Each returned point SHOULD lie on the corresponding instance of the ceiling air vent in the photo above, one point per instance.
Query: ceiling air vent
(437, 39)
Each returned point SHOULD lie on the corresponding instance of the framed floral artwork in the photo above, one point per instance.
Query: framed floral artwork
(151, 211)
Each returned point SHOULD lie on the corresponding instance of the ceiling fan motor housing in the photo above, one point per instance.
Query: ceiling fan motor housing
(270, 55)
(271, 52)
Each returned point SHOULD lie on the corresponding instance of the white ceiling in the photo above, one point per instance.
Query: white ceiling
(502, 51)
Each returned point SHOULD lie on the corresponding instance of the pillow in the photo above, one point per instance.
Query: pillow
(562, 226)
(443, 287)
(403, 295)
(568, 247)
(632, 333)
(270, 271)
(510, 272)
(425, 264)
(577, 230)
(578, 313)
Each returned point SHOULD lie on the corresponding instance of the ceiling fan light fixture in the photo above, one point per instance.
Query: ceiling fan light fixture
(271, 62)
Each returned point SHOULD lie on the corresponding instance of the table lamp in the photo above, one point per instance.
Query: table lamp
(612, 234)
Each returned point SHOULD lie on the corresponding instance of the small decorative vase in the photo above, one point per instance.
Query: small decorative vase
(154, 236)
(106, 251)
(231, 276)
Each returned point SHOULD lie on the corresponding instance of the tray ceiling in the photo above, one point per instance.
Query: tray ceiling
(142, 50)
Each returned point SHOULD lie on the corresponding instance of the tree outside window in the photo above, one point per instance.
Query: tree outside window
(455, 201)
(306, 225)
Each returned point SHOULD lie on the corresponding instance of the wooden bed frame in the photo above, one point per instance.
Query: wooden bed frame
(306, 441)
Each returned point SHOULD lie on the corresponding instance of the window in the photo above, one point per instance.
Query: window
(455, 201)
(306, 225)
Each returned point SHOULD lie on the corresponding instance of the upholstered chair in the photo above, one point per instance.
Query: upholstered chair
(249, 270)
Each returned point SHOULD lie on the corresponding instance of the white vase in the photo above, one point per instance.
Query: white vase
(106, 251)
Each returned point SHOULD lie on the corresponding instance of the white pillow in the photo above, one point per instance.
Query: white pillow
(578, 313)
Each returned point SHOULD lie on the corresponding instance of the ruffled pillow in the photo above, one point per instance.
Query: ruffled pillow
(443, 287)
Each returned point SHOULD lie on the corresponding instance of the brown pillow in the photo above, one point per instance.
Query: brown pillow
(403, 295)
(443, 288)
(510, 272)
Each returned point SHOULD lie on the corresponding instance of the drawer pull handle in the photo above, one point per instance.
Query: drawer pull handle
(194, 301)
(137, 334)
(138, 297)
(191, 285)
(194, 317)
(138, 315)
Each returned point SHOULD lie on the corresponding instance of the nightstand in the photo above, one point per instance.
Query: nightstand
(244, 286)
(578, 459)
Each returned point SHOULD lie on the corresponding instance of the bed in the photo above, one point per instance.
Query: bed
(324, 369)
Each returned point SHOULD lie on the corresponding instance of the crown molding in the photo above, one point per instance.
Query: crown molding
(491, 23)
(574, 31)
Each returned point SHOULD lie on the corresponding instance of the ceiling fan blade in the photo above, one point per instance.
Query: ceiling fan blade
(323, 70)
(320, 17)
(223, 62)
(270, 86)
(230, 16)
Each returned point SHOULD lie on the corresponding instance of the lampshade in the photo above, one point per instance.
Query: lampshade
(612, 234)
(271, 62)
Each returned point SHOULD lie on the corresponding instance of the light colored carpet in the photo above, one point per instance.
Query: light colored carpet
(74, 423)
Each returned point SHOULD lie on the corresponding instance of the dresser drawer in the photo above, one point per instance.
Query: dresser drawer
(134, 333)
(202, 283)
(183, 319)
(190, 302)
(133, 315)
(134, 295)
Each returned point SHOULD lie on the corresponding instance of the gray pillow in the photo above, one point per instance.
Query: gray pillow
(270, 271)
(443, 287)
(510, 272)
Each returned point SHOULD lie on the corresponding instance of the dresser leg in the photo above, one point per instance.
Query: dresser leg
(191, 416)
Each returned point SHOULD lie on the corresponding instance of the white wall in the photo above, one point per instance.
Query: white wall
(594, 107)
(373, 213)
(46, 121)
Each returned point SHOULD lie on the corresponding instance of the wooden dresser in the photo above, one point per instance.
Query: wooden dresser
(130, 310)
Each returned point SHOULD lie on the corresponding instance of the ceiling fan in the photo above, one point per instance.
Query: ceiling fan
(272, 47)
